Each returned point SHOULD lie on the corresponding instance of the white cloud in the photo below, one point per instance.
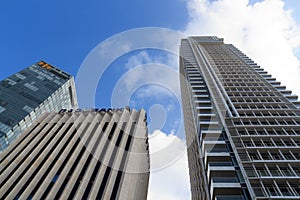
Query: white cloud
(143, 57)
(138, 59)
(171, 181)
(158, 74)
(153, 90)
(159, 69)
(265, 31)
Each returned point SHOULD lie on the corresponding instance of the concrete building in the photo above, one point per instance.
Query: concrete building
(242, 126)
(24, 96)
(90, 154)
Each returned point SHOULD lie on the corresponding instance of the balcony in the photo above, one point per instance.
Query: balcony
(221, 186)
(216, 157)
(218, 171)
(229, 197)
(213, 146)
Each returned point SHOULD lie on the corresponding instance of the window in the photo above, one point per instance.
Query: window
(284, 189)
(286, 171)
(296, 188)
(268, 143)
(248, 144)
(271, 189)
(279, 143)
(296, 170)
(31, 87)
(265, 156)
(27, 109)
(280, 132)
(297, 155)
(276, 156)
(258, 143)
(288, 156)
(242, 133)
(254, 156)
(274, 171)
(20, 76)
(271, 132)
(262, 171)
(288, 143)
(251, 132)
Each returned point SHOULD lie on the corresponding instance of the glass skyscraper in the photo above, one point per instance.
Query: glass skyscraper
(242, 126)
(24, 96)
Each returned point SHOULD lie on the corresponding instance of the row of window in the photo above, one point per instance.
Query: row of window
(245, 84)
(266, 122)
(271, 156)
(260, 131)
(248, 89)
(244, 80)
(260, 106)
(272, 171)
(266, 113)
(242, 77)
(250, 94)
(233, 72)
(254, 99)
(276, 189)
(271, 142)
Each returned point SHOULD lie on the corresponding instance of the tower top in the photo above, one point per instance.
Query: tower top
(203, 39)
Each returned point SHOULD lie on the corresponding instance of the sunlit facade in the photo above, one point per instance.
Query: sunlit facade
(79, 154)
(242, 126)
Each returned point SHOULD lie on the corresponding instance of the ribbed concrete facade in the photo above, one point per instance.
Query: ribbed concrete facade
(94, 154)
(242, 126)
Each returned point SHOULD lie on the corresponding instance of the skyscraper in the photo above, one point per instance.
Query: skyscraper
(242, 126)
(89, 154)
(24, 96)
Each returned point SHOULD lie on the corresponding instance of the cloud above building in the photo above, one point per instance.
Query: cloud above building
(265, 31)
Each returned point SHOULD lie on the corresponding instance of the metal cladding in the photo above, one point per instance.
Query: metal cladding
(242, 126)
(24, 96)
(79, 154)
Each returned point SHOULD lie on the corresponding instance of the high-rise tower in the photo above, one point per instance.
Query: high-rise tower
(24, 96)
(89, 154)
(242, 126)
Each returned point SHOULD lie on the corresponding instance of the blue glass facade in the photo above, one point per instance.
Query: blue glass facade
(24, 96)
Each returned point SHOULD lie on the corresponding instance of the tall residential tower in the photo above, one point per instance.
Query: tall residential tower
(24, 96)
(242, 126)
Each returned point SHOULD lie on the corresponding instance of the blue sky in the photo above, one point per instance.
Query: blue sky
(63, 33)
